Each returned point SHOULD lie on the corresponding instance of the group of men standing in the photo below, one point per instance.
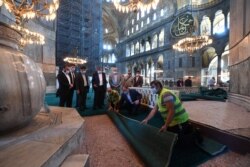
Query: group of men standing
(69, 81)
(170, 107)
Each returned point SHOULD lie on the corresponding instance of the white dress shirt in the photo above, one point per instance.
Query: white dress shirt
(67, 75)
(84, 79)
(100, 79)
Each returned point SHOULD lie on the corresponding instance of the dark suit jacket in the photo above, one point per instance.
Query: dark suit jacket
(95, 80)
(64, 86)
(80, 83)
(139, 82)
(188, 83)
(134, 95)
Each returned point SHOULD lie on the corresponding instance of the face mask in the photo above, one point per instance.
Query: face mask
(154, 90)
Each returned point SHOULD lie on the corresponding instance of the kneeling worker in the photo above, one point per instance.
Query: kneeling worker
(113, 100)
(171, 110)
(130, 100)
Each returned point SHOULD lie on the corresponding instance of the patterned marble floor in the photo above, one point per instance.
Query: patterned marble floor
(222, 115)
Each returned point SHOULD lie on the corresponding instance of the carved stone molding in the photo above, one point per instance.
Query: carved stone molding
(6, 32)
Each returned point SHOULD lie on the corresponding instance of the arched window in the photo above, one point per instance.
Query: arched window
(161, 38)
(142, 48)
(205, 27)
(142, 24)
(113, 58)
(128, 32)
(132, 49)
(228, 20)
(137, 27)
(127, 51)
(155, 41)
(148, 20)
(132, 30)
(110, 58)
(148, 46)
(162, 12)
(154, 17)
(137, 48)
(219, 22)
(142, 13)
(138, 16)
(148, 10)
(133, 21)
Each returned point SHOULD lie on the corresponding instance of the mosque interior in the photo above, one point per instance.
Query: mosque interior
(165, 40)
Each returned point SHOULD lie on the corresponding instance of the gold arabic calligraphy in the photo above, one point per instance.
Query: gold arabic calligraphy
(181, 26)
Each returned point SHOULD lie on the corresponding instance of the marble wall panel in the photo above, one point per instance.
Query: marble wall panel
(247, 23)
(49, 52)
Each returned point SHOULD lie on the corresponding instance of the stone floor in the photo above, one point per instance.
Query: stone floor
(222, 115)
(225, 116)
(107, 147)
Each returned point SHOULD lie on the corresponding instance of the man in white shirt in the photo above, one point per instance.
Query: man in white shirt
(72, 76)
(99, 84)
(211, 82)
(82, 88)
(115, 79)
(64, 86)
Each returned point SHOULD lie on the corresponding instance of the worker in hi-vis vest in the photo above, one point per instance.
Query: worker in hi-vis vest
(170, 107)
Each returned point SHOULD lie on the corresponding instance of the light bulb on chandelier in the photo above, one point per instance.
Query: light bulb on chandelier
(135, 5)
(192, 42)
(25, 10)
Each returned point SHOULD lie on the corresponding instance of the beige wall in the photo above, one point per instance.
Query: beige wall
(239, 58)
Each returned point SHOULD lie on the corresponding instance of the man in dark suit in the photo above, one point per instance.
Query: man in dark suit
(99, 84)
(72, 76)
(82, 88)
(130, 100)
(65, 86)
(138, 80)
(188, 82)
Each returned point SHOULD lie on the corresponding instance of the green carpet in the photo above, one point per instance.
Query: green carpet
(156, 149)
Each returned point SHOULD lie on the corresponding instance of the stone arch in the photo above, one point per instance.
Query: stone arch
(207, 56)
(219, 22)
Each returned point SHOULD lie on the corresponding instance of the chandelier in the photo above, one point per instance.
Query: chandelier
(134, 5)
(192, 43)
(75, 59)
(29, 9)
(25, 10)
(29, 37)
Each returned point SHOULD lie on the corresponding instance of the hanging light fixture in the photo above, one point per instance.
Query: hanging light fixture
(25, 10)
(74, 59)
(127, 6)
(192, 42)
(29, 9)
(29, 37)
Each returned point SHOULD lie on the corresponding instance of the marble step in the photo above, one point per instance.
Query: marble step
(76, 160)
(45, 142)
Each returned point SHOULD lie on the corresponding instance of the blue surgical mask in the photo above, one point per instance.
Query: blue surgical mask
(154, 90)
